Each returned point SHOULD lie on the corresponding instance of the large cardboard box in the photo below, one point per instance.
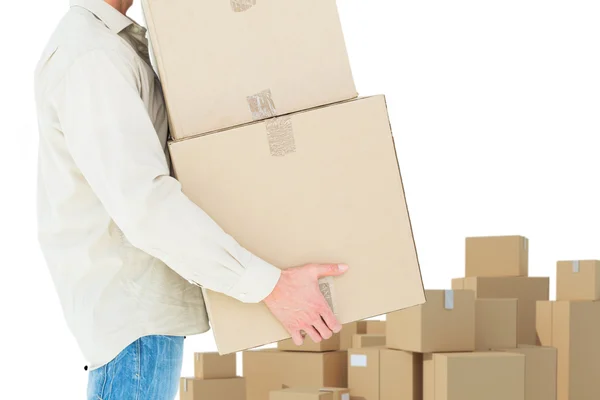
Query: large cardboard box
(366, 340)
(384, 374)
(214, 366)
(445, 323)
(578, 280)
(497, 256)
(495, 324)
(310, 394)
(267, 206)
(540, 371)
(474, 376)
(226, 63)
(331, 344)
(573, 328)
(400, 375)
(212, 389)
(267, 370)
(526, 290)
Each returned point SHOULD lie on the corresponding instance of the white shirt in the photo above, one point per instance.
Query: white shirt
(122, 242)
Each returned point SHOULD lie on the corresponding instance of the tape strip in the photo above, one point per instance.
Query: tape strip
(185, 385)
(575, 267)
(328, 290)
(262, 105)
(197, 356)
(525, 243)
(242, 5)
(449, 299)
(281, 136)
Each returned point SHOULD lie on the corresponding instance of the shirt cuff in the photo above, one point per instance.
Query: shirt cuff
(257, 282)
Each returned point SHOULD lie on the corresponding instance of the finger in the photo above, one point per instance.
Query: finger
(323, 330)
(324, 270)
(330, 319)
(297, 337)
(312, 332)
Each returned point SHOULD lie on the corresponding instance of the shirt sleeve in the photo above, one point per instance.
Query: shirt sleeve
(114, 144)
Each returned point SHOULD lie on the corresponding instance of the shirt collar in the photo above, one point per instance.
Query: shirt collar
(112, 18)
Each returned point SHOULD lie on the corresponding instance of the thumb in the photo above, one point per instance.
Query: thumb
(324, 270)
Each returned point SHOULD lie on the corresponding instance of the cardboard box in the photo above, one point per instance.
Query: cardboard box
(400, 375)
(526, 290)
(573, 328)
(497, 256)
(349, 330)
(267, 370)
(373, 327)
(331, 344)
(540, 371)
(310, 394)
(495, 324)
(445, 323)
(214, 366)
(366, 340)
(474, 376)
(223, 65)
(365, 200)
(212, 389)
(377, 373)
(578, 280)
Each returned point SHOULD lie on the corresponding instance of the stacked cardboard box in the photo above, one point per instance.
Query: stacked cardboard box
(267, 85)
(310, 394)
(572, 325)
(214, 379)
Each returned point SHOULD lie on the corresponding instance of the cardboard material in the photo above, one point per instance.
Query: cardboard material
(300, 394)
(331, 344)
(495, 324)
(267, 370)
(436, 326)
(366, 340)
(474, 376)
(526, 290)
(214, 366)
(497, 256)
(373, 327)
(277, 220)
(540, 371)
(349, 330)
(338, 393)
(573, 328)
(578, 280)
(216, 65)
(400, 375)
(364, 372)
(212, 389)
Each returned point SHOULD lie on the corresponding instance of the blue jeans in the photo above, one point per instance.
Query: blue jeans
(148, 369)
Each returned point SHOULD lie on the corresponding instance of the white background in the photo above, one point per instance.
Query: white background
(495, 107)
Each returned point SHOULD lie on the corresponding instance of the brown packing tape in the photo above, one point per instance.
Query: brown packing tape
(242, 5)
(281, 136)
(261, 105)
(328, 290)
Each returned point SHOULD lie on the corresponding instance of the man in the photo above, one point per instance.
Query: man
(126, 249)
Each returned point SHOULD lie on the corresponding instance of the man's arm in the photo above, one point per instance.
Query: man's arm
(113, 142)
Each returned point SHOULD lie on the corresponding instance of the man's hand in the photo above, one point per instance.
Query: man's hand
(299, 305)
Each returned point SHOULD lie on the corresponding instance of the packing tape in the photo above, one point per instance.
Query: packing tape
(185, 385)
(242, 5)
(328, 290)
(262, 105)
(449, 299)
(525, 243)
(197, 356)
(575, 267)
(280, 133)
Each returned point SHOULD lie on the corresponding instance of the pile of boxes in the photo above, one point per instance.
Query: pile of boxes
(214, 378)
(269, 139)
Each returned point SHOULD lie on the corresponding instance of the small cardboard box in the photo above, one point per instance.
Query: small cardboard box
(384, 374)
(267, 370)
(526, 290)
(212, 389)
(374, 327)
(310, 394)
(495, 324)
(400, 375)
(338, 393)
(496, 256)
(331, 344)
(474, 376)
(573, 328)
(348, 331)
(446, 322)
(578, 280)
(226, 63)
(214, 366)
(366, 340)
(540, 371)
(293, 154)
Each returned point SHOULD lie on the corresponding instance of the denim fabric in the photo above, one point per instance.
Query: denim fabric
(148, 369)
